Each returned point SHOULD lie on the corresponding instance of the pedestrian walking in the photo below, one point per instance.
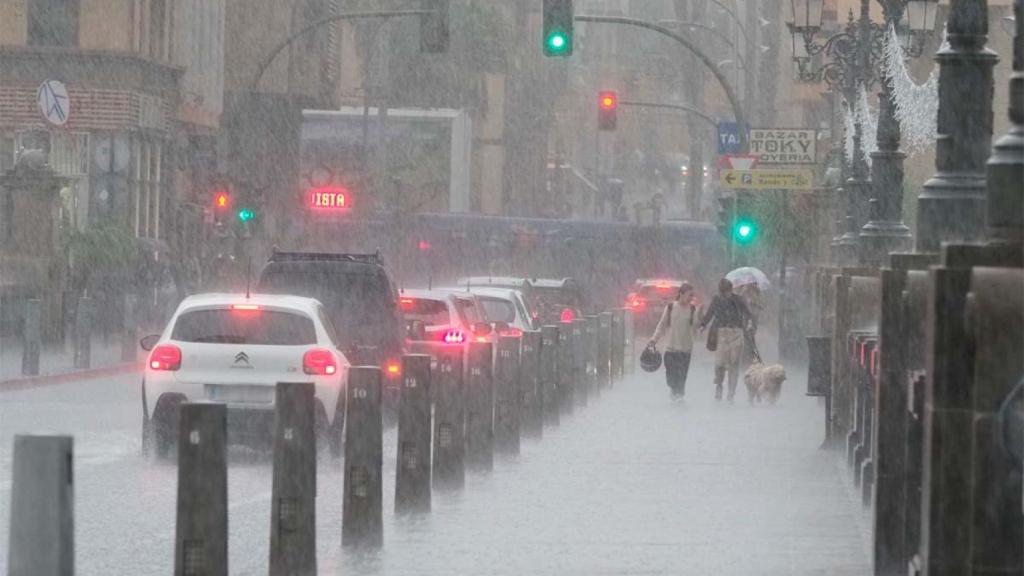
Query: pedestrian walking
(729, 319)
(678, 322)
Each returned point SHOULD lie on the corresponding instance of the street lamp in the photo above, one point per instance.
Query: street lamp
(914, 27)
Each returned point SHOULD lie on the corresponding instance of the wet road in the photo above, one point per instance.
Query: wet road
(633, 484)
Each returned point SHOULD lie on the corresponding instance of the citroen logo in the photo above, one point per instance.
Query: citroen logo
(242, 357)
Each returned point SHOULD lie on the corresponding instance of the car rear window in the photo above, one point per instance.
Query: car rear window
(468, 311)
(498, 310)
(430, 312)
(263, 327)
(659, 292)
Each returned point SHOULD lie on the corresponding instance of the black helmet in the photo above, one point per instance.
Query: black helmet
(650, 359)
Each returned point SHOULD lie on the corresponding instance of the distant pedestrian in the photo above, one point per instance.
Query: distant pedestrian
(679, 322)
(729, 319)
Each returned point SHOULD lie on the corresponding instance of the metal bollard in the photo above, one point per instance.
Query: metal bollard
(532, 423)
(508, 396)
(201, 541)
(32, 341)
(618, 344)
(590, 356)
(579, 362)
(480, 407)
(566, 372)
(130, 333)
(549, 374)
(449, 420)
(362, 516)
(629, 338)
(83, 333)
(42, 531)
(412, 471)
(604, 349)
(293, 492)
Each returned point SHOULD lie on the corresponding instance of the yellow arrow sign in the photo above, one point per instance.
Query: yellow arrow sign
(767, 179)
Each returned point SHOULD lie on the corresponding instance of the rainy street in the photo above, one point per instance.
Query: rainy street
(633, 483)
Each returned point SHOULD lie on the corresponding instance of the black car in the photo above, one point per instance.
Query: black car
(358, 295)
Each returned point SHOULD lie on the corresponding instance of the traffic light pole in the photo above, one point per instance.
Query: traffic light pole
(737, 108)
(668, 106)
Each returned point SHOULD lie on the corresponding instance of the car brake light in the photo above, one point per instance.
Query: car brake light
(481, 339)
(245, 307)
(319, 362)
(165, 357)
(514, 332)
(406, 303)
(454, 337)
(636, 303)
(568, 315)
(393, 369)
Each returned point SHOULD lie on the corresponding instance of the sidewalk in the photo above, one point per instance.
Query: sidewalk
(56, 362)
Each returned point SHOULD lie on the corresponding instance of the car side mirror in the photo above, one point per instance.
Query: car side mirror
(417, 330)
(482, 329)
(148, 342)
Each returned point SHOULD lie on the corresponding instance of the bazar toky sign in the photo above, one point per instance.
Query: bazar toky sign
(784, 145)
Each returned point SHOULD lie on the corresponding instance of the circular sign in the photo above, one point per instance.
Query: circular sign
(54, 102)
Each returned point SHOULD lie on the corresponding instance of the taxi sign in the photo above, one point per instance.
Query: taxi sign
(767, 179)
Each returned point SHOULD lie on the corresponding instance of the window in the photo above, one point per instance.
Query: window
(260, 327)
(498, 310)
(52, 22)
(433, 313)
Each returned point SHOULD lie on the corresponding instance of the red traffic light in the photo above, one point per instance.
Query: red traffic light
(327, 198)
(607, 100)
(221, 200)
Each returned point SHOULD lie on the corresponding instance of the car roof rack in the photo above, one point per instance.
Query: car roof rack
(281, 256)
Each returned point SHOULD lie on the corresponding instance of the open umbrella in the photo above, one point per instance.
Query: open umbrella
(748, 275)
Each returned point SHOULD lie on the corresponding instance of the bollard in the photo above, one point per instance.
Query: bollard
(480, 407)
(629, 338)
(362, 523)
(449, 420)
(293, 492)
(412, 471)
(201, 541)
(566, 372)
(618, 344)
(604, 349)
(549, 374)
(579, 362)
(83, 333)
(590, 356)
(129, 335)
(508, 395)
(532, 423)
(819, 379)
(42, 531)
(32, 339)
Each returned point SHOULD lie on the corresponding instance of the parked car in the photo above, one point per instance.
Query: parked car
(557, 299)
(505, 310)
(360, 298)
(234, 348)
(648, 299)
(437, 319)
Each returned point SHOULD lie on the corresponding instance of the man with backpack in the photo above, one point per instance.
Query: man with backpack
(730, 319)
(678, 322)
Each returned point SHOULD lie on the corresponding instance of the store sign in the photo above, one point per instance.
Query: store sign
(784, 145)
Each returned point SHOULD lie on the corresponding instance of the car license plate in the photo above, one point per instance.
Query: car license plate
(240, 394)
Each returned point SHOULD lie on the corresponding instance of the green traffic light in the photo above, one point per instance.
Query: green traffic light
(744, 232)
(245, 214)
(557, 42)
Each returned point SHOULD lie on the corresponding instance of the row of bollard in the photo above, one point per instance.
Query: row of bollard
(82, 336)
(485, 401)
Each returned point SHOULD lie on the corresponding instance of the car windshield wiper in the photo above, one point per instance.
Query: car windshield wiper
(220, 339)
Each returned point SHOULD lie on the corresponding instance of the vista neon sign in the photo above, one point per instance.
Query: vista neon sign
(327, 198)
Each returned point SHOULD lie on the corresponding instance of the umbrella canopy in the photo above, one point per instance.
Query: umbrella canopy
(749, 275)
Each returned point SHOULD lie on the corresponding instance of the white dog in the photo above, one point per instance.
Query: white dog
(764, 381)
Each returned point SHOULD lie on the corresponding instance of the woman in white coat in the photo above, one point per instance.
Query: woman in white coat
(679, 323)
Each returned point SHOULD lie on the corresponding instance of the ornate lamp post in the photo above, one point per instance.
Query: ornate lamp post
(853, 58)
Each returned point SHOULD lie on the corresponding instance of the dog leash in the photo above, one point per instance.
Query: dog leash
(753, 345)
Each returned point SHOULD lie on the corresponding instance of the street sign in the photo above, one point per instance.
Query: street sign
(54, 102)
(738, 161)
(767, 179)
(784, 145)
(728, 137)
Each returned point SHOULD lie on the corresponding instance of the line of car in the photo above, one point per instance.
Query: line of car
(310, 317)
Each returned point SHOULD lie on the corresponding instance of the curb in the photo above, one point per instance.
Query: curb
(29, 382)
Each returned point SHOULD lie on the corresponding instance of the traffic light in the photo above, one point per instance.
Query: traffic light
(557, 38)
(221, 200)
(607, 110)
(246, 214)
(744, 225)
(726, 215)
(434, 26)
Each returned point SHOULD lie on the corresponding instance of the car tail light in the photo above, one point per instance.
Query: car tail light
(515, 332)
(454, 337)
(245, 307)
(406, 303)
(392, 369)
(165, 357)
(568, 315)
(636, 303)
(319, 362)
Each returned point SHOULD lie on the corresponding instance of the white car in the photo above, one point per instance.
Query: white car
(233, 348)
(504, 308)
